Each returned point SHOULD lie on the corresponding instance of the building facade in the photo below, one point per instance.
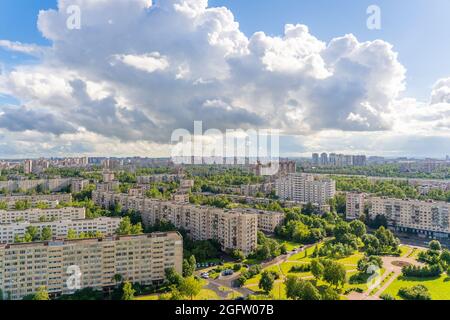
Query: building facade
(36, 215)
(49, 199)
(58, 265)
(234, 229)
(425, 218)
(304, 188)
(354, 205)
(60, 228)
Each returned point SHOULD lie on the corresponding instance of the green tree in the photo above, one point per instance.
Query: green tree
(128, 291)
(317, 269)
(358, 228)
(41, 294)
(190, 287)
(33, 232)
(125, 227)
(266, 282)
(137, 228)
(46, 234)
(334, 273)
(71, 234)
(435, 245)
(173, 277)
(3, 205)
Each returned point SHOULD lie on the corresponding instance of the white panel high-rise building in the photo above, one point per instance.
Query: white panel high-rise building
(304, 188)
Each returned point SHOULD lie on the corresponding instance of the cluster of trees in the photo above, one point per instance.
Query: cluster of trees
(126, 227)
(299, 289)
(303, 228)
(422, 272)
(267, 281)
(267, 248)
(73, 235)
(41, 294)
(385, 170)
(306, 267)
(162, 190)
(382, 242)
(180, 287)
(217, 201)
(388, 188)
(189, 266)
(419, 292)
(366, 266)
(253, 271)
(34, 234)
(437, 260)
(346, 240)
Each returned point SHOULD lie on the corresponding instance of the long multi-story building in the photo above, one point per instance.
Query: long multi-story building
(304, 188)
(35, 215)
(49, 199)
(354, 205)
(58, 265)
(425, 218)
(234, 229)
(52, 185)
(60, 228)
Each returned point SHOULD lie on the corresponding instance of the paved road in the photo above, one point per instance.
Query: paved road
(392, 272)
(229, 281)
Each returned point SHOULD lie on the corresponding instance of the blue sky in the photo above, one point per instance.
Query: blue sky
(418, 29)
(142, 77)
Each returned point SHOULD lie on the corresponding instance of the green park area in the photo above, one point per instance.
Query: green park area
(438, 287)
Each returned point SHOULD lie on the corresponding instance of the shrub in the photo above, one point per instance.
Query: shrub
(301, 268)
(418, 292)
(422, 272)
(386, 296)
(237, 267)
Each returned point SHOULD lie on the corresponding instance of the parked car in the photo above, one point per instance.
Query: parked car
(227, 272)
(205, 275)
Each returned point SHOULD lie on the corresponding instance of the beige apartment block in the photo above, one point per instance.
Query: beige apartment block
(234, 229)
(35, 215)
(354, 205)
(107, 226)
(55, 264)
(52, 185)
(51, 200)
(426, 218)
(78, 185)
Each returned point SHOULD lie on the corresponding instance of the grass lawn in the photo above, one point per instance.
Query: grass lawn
(404, 249)
(351, 260)
(205, 294)
(439, 287)
(278, 292)
(290, 245)
(301, 255)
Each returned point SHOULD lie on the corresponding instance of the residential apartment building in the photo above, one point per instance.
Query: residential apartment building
(338, 160)
(268, 220)
(234, 229)
(35, 215)
(425, 218)
(60, 228)
(51, 200)
(304, 188)
(354, 205)
(159, 178)
(78, 185)
(144, 258)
